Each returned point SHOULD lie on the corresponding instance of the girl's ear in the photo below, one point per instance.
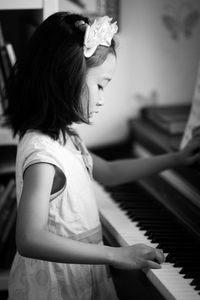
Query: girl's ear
(80, 24)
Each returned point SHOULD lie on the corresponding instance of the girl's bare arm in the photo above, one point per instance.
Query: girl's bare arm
(127, 170)
(35, 241)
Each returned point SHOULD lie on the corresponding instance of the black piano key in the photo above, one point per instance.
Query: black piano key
(162, 228)
(157, 214)
(195, 282)
(158, 235)
(165, 230)
(158, 222)
(183, 256)
(134, 205)
(181, 259)
(177, 248)
(192, 274)
(155, 225)
(143, 218)
(189, 269)
(183, 263)
(160, 232)
(168, 240)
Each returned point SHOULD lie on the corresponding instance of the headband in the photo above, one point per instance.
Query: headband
(100, 32)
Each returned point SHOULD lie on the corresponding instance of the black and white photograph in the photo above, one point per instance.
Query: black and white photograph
(99, 150)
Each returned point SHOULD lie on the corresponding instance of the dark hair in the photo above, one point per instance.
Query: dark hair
(44, 91)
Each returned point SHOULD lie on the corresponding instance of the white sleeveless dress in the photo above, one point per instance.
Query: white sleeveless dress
(73, 214)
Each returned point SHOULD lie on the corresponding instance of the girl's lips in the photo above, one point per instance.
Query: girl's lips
(94, 112)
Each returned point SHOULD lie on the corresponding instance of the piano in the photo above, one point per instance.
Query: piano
(162, 211)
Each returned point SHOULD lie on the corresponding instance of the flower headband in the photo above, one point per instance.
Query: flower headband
(100, 32)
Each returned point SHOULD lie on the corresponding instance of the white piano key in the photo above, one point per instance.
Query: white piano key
(169, 289)
(169, 280)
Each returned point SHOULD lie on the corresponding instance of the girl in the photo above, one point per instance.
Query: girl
(60, 81)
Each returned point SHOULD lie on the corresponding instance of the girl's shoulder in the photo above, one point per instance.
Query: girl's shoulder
(35, 140)
(35, 147)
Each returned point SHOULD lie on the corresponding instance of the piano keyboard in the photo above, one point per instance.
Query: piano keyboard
(143, 220)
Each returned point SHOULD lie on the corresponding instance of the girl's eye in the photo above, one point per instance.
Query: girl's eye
(100, 87)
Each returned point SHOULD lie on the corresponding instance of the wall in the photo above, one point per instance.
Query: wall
(155, 64)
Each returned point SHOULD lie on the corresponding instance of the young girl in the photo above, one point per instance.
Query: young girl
(60, 81)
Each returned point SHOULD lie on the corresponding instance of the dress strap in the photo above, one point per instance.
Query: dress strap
(84, 152)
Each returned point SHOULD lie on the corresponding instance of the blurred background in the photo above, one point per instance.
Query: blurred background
(158, 54)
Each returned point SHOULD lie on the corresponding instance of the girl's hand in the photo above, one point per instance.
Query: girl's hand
(190, 154)
(139, 256)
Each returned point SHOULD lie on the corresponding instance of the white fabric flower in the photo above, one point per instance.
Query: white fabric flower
(100, 32)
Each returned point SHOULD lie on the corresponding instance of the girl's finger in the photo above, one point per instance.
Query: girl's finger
(152, 265)
(155, 258)
(159, 256)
